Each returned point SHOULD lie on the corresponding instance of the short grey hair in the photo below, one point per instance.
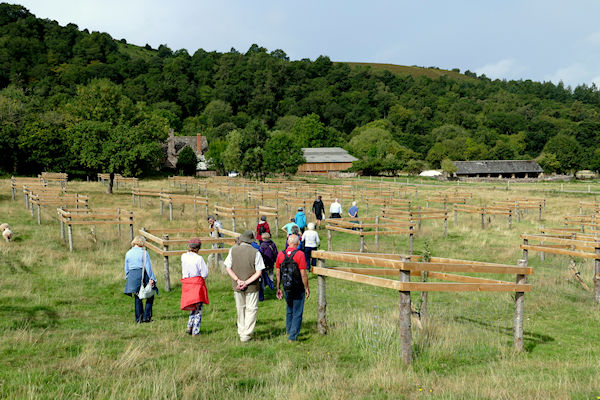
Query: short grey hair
(293, 239)
(139, 240)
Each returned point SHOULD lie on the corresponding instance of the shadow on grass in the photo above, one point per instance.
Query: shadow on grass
(530, 339)
(29, 316)
(18, 266)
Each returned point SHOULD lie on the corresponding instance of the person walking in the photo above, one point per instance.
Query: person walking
(291, 274)
(335, 209)
(311, 241)
(268, 250)
(318, 208)
(193, 285)
(353, 213)
(262, 227)
(244, 264)
(300, 219)
(287, 228)
(138, 269)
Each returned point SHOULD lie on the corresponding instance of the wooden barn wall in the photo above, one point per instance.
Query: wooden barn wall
(324, 167)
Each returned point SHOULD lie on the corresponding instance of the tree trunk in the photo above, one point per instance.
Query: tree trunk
(111, 180)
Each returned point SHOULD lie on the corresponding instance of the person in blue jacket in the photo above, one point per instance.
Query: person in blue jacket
(136, 258)
(300, 219)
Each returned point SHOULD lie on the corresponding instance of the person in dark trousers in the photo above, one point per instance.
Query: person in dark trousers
(319, 209)
(299, 291)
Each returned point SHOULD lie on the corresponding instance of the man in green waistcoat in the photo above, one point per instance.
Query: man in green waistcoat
(244, 264)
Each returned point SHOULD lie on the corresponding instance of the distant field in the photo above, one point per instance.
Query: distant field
(67, 331)
(413, 71)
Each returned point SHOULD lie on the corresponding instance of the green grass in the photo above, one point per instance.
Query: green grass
(414, 71)
(67, 330)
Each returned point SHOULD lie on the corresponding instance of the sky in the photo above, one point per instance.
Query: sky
(551, 40)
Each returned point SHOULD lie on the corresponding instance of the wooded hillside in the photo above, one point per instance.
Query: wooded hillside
(63, 89)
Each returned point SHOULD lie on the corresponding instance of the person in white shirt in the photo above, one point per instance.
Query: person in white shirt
(335, 209)
(193, 287)
(311, 241)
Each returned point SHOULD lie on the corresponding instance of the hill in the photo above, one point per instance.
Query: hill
(391, 117)
(413, 71)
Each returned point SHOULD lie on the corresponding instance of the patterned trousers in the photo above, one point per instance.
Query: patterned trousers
(194, 320)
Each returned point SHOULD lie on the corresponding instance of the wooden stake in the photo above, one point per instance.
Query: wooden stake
(329, 246)
(170, 210)
(405, 322)
(519, 308)
(70, 234)
(166, 265)
(119, 220)
(322, 302)
(597, 274)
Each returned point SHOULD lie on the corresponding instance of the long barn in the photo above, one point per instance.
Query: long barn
(498, 169)
(323, 160)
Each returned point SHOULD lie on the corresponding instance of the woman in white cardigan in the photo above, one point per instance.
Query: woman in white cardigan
(311, 241)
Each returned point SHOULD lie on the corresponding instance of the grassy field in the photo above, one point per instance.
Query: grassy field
(413, 71)
(67, 331)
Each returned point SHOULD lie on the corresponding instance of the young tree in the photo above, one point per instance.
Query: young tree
(187, 161)
(282, 154)
(567, 150)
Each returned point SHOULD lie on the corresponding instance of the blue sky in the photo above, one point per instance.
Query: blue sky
(530, 39)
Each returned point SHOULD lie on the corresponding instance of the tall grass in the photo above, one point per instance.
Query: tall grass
(67, 331)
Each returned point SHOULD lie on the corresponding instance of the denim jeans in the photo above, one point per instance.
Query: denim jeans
(293, 317)
(147, 311)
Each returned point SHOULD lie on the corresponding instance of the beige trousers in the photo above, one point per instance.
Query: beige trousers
(247, 308)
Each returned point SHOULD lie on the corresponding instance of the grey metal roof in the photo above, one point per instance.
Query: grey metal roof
(496, 167)
(326, 155)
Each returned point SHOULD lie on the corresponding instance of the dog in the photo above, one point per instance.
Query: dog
(6, 232)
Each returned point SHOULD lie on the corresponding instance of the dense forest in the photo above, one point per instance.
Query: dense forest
(82, 102)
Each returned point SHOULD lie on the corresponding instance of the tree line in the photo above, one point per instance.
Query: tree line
(83, 102)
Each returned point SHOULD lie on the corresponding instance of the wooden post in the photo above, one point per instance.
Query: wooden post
(170, 209)
(362, 242)
(139, 198)
(166, 262)
(509, 218)
(321, 301)
(597, 273)
(540, 213)
(195, 206)
(411, 238)
(482, 219)
(525, 251)
(162, 206)
(377, 232)
(132, 198)
(424, 298)
(131, 227)
(405, 313)
(118, 222)
(419, 215)
(329, 246)
(39, 213)
(519, 306)
(446, 225)
(277, 222)
(70, 234)
(455, 216)
(542, 254)
(62, 228)
(233, 219)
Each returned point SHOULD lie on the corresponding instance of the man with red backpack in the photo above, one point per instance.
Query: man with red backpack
(291, 274)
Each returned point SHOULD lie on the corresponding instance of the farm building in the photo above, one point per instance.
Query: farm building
(323, 160)
(175, 144)
(498, 169)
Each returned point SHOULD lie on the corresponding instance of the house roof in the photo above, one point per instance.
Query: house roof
(327, 155)
(496, 167)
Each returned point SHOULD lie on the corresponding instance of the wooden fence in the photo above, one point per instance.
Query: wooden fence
(161, 241)
(183, 199)
(89, 217)
(235, 213)
(56, 199)
(572, 245)
(119, 180)
(359, 226)
(373, 267)
(57, 177)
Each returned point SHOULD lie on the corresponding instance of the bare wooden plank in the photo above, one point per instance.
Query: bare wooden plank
(561, 251)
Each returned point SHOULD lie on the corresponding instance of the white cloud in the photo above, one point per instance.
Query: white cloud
(571, 75)
(593, 38)
(505, 68)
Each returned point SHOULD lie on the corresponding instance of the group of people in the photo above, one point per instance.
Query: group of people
(246, 263)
